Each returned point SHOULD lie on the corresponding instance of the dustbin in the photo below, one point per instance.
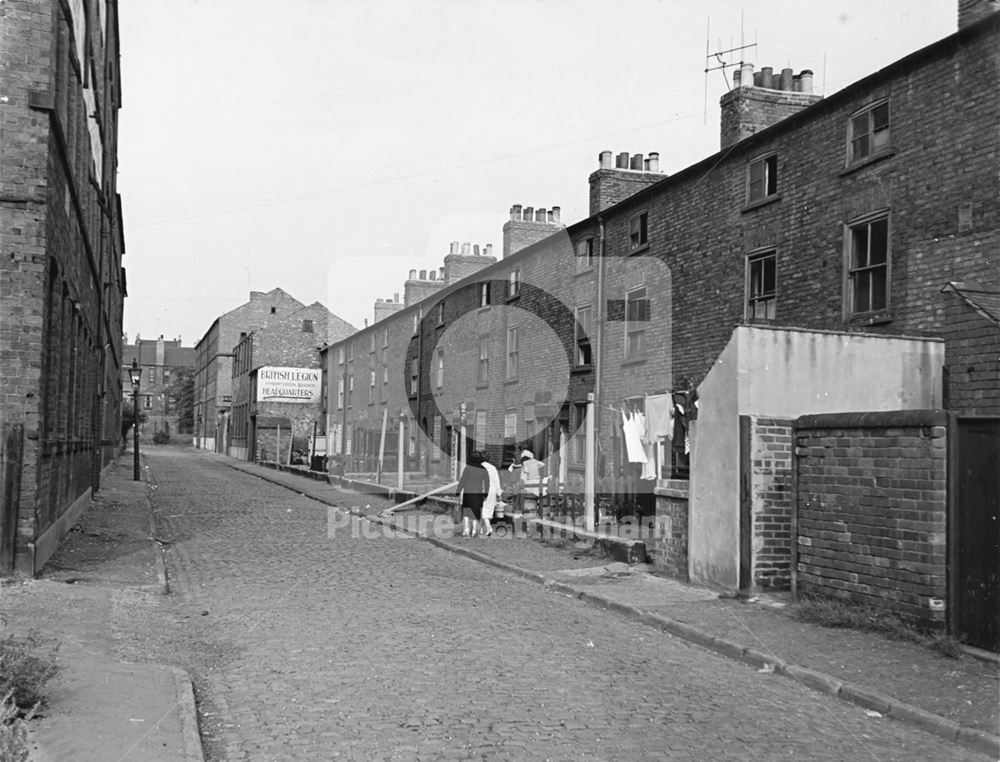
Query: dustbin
(317, 463)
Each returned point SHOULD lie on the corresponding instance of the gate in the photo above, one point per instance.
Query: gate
(975, 526)
(10, 491)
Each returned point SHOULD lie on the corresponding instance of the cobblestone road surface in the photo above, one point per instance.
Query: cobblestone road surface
(306, 646)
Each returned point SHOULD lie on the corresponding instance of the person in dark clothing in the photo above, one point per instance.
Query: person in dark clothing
(473, 487)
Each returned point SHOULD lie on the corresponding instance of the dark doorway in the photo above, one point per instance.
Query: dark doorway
(976, 528)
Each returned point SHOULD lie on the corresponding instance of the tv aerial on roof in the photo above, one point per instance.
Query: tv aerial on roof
(716, 57)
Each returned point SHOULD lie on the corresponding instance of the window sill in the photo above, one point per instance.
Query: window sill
(871, 318)
(634, 361)
(584, 271)
(758, 203)
(886, 153)
(639, 249)
(513, 298)
(484, 307)
(579, 370)
(510, 381)
(483, 385)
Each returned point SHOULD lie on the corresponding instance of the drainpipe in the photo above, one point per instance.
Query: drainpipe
(594, 406)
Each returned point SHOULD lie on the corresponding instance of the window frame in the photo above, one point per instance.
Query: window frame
(580, 341)
(638, 230)
(769, 180)
(483, 366)
(512, 354)
(308, 325)
(851, 269)
(514, 283)
(439, 368)
(749, 299)
(585, 262)
(854, 156)
(484, 294)
(629, 324)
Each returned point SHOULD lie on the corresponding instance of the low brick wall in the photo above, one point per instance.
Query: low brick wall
(871, 509)
(771, 496)
(668, 547)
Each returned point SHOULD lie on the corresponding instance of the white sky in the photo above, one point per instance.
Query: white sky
(327, 147)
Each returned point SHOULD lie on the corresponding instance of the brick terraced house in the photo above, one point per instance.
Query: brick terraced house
(794, 275)
(62, 283)
(161, 362)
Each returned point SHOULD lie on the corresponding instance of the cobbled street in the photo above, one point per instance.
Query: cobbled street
(307, 646)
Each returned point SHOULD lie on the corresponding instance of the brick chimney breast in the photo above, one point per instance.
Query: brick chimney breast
(630, 174)
(762, 99)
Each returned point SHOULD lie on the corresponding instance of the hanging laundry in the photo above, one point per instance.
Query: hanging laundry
(659, 416)
(633, 439)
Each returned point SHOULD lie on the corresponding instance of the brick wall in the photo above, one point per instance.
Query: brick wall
(771, 502)
(611, 186)
(972, 358)
(527, 226)
(871, 509)
(61, 283)
(668, 549)
(746, 111)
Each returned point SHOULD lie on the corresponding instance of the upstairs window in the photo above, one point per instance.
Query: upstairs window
(484, 294)
(513, 283)
(439, 380)
(385, 337)
(760, 286)
(584, 320)
(636, 317)
(414, 376)
(512, 354)
(638, 230)
(868, 266)
(762, 178)
(307, 326)
(440, 313)
(483, 375)
(869, 131)
(584, 254)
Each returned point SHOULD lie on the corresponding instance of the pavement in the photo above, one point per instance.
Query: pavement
(104, 706)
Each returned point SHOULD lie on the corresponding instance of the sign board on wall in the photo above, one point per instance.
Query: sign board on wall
(289, 385)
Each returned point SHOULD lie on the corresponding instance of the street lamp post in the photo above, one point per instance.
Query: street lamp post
(135, 375)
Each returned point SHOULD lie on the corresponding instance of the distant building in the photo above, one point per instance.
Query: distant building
(62, 283)
(161, 363)
(277, 384)
(215, 351)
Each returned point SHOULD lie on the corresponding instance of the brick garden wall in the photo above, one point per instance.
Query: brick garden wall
(668, 547)
(771, 496)
(871, 509)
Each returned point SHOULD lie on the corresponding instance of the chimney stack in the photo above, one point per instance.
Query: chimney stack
(630, 174)
(530, 227)
(759, 100)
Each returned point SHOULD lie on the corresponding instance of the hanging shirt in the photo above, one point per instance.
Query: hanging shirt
(633, 439)
(659, 416)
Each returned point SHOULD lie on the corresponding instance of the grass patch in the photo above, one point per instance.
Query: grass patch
(26, 665)
(831, 612)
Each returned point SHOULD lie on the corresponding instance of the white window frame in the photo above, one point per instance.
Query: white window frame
(514, 283)
(512, 356)
(635, 326)
(752, 299)
(768, 182)
(483, 368)
(439, 368)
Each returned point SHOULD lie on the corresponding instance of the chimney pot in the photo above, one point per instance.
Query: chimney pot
(466, 248)
(423, 275)
(413, 275)
(806, 80)
(767, 77)
(453, 249)
(475, 250)
(440, 273)
(515, 212)
(758, 79)
(395, 297)
(540, 214)
(556, 210)
(654, 161)
(736, 79)
(489, 250)
(786, 80)
(636, 162)
(529, 213)
(746, 74)
(622, 160)
(604, 160)
(433, 274)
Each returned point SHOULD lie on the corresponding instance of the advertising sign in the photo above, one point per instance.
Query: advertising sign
(289, 385)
